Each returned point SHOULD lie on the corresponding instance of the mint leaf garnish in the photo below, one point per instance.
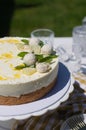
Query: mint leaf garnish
(19, 67)
(39, 57)
(48, 59)
(41, 43)
(22, 54)
(25, 41)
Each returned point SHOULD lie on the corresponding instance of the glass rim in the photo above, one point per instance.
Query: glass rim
(42, 30)
(79, 30)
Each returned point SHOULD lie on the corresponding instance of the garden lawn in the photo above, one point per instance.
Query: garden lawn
(59, 15)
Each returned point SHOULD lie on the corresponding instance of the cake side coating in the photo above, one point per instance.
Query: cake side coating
(33, 96)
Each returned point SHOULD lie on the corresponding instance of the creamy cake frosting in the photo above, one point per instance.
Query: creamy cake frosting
(26, 66)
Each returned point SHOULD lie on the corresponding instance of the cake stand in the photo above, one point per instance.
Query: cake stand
(51, 101)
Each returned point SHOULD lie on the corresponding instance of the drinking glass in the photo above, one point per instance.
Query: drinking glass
(79, 37)
(79, 43)
(45, 35)
(76, 57)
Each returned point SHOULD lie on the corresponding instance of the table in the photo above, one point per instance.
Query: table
(75, 104)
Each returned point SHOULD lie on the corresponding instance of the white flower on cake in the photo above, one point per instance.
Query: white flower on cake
(29, 59)
(34, 41)
(46, 49)
(43, 67)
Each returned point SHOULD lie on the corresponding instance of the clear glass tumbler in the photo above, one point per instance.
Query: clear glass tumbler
(79, 37)
(79, 43)
(45, 35)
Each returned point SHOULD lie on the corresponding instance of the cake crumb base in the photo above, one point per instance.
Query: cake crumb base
(28, 97)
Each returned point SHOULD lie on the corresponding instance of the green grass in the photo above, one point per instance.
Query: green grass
(59, 15)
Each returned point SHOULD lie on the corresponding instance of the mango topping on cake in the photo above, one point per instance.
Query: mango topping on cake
(6, 56)
(9, 40)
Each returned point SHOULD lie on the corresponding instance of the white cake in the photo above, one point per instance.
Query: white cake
(27, 70)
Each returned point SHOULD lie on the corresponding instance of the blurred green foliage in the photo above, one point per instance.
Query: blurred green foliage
(59, 15)
(28, 2)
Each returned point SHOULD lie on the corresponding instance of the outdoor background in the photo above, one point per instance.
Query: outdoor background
(20, 17)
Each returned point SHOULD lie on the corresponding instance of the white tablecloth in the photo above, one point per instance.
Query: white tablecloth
(65, 42)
